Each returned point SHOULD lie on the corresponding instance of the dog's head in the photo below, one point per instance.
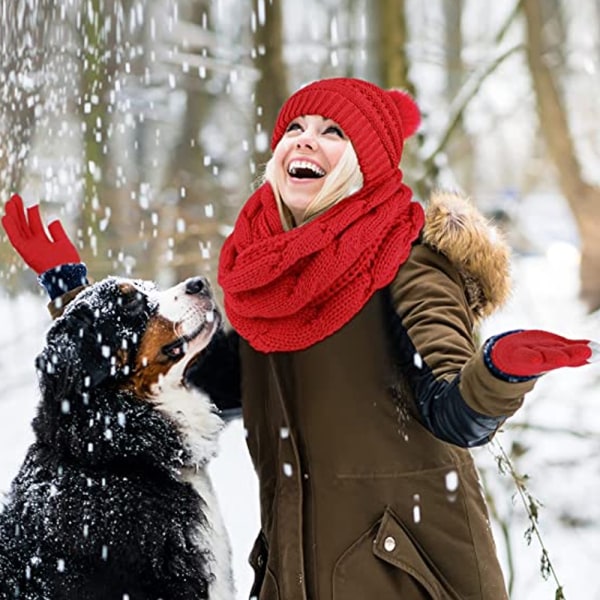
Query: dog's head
(126, 334)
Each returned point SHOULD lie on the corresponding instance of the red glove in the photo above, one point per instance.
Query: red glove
(29, 238)
(533, 352)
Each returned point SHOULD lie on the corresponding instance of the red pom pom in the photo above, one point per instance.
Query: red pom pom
(409, 111)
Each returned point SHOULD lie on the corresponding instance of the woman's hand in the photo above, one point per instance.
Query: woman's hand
(41, 250)
(532, 352)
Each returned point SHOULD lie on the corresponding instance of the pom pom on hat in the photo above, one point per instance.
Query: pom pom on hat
(376, 121)
(409, 111)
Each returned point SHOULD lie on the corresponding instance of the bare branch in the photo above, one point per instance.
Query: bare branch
(586, 435)
(468, 91)
(509, 21)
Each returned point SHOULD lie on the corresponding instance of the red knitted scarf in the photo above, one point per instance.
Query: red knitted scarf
(286, 291)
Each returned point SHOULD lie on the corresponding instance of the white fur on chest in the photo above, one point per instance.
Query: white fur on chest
(200, 427)
(213, 536)
(195, 418)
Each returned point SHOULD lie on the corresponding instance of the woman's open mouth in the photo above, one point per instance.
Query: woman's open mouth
(304, 169)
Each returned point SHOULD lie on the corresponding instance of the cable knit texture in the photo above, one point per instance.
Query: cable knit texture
(285, 291)
(288, 290)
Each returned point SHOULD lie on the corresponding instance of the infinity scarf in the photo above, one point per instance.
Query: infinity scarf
(287, 290)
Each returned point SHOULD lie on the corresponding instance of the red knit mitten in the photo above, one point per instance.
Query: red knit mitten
(533, 352)
(40, 250)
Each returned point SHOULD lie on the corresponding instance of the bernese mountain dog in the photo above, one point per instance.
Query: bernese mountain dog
(113, 500)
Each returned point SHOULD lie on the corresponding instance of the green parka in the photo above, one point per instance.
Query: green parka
(359, 500)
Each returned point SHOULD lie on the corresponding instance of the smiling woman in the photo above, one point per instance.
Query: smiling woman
(313, 166)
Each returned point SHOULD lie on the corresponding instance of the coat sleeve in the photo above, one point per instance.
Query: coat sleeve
(62, 284)
(459, 400)
(216, 372)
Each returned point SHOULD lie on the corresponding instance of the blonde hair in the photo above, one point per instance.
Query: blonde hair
(345, 179)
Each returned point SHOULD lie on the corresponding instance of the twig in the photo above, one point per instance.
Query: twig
(468, 91)
(531, 508)
(509, 21)
(595, 435)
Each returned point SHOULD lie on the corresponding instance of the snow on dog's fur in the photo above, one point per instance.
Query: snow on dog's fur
(113, 499)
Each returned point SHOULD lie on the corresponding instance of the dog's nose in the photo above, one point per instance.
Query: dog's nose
(197, 285)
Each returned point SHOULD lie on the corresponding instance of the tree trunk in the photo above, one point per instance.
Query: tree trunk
(271, 89)
(583, 198)
(393, 67)
(98, 25)
(25, 47)
(198, 197)
(393, 60)
(188, 237)
(460, 147)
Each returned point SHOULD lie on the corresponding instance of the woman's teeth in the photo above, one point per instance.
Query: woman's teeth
(304, 168)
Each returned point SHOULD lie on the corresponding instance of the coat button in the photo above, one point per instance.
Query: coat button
(389, 544)
(260, 561)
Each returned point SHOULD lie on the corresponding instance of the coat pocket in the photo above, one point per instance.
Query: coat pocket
(385, 563)
(264, 586)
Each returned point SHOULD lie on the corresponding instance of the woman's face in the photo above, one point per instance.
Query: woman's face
(309, 150)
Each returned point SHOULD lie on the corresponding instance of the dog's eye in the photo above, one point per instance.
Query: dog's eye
(175, 350)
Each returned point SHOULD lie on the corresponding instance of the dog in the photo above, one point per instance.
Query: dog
(113, 500)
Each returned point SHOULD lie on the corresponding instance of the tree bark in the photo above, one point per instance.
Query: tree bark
(271, 89)
(24, 51)
(100, 232)
(460, 146)
(393, 68)
(583, 198)
(393, 59)
(188, 238)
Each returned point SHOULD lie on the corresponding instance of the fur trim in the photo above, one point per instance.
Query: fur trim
(454, 227)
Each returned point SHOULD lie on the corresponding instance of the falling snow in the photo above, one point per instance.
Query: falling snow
(148, 97)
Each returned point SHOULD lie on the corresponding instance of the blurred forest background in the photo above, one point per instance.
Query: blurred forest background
(144, 124)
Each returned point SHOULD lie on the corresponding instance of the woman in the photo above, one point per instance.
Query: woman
(362, 387)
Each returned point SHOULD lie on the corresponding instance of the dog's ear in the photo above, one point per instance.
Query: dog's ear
(59, 368)
(74, 358)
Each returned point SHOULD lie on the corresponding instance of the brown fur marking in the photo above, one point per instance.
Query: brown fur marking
(149, 364)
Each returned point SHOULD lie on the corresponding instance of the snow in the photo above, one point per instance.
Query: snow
(557, 430)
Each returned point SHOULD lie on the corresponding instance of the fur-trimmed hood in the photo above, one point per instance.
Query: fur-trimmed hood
(456, 229)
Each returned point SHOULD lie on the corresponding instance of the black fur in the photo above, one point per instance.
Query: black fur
(97, 511)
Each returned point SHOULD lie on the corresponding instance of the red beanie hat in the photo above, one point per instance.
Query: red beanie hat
(375, 120)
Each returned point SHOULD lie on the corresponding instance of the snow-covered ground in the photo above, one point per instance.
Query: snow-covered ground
(558, 432)
(561, 442)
